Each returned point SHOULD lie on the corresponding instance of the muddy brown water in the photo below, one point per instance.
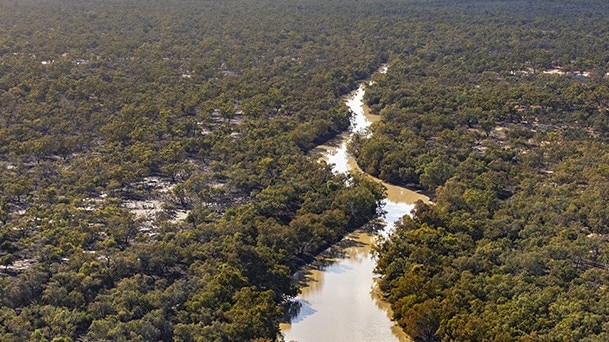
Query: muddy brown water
(339, 301)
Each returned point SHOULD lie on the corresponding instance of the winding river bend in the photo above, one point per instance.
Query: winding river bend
(339, 302)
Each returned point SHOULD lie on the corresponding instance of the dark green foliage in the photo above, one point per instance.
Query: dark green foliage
(514, 247)
(115, 117)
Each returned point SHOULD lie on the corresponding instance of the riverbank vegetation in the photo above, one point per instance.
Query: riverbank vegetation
(501, 111)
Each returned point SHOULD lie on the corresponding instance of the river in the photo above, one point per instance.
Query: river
(338, 301)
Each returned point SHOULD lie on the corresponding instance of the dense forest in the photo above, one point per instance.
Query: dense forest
(154, 177)
(155, 181)
(500, 111)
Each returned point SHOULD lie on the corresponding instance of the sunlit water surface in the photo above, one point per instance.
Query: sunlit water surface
(339, 301)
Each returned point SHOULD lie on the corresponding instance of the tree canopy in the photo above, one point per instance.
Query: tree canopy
(155, 182)
(497, 110)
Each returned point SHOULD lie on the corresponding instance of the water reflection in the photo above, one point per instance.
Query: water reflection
(303, 310)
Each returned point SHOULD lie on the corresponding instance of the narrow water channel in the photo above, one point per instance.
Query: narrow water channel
(339, 302)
